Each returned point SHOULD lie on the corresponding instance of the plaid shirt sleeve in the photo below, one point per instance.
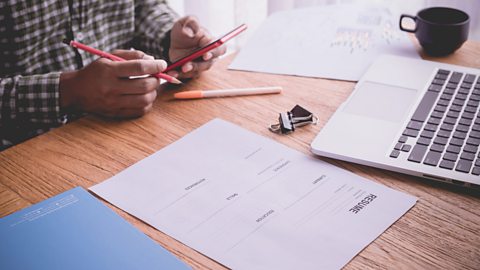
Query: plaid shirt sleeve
(29, 100)
(153, 21)
(34, 98)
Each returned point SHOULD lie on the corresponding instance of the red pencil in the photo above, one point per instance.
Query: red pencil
(112, 57)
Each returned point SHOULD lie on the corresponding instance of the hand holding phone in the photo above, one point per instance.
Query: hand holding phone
(201, 51)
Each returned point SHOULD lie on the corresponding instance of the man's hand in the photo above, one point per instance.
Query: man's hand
(187, 35)
(104, 87)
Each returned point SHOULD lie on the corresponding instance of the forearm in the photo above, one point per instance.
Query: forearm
(68, 82)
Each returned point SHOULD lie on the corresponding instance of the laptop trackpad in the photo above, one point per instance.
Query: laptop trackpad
(381, 101)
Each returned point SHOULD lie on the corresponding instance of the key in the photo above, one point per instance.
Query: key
(440, 108)
(456, 108)
(441, 76)
(446, 127)
(467, 156)
(411, 133)
(453, 114)
(461, 96)
(458, 102)
(453, 149)
(470, 149)
(475, 134)
(440, 140)
(457, 142)
(414, 125)
(434, 121)
(473, 141)
(444, 134)
(430, 127)
(450, 120)
(446, 96)
(443, 72)
(465, 122)
(464, 91)
(398, 146)
(459, 135)
(462, 128)
(424, 141)
(463, 166)
(447, 164)
(449, 91)
(443, 102)
(406, 147)
(425, 106)
(450, 157)
(432, 158)
(469, 78)
(470, 109)
(427, 134)
(402, 139)
(437, 148)
(438, 82)
(435, 88)
(467, 115)
(476, 171)
(394, 154)
(417, 153)
(456, 76)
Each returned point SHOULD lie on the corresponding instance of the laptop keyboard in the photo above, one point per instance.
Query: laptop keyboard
(444, 130)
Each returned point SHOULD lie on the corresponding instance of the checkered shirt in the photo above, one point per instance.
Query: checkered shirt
(32, 54)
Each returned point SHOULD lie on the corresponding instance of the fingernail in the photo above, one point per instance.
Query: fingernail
(148, 57)
(207, 56)
(188, 31)
(187, 67)
(162, 63)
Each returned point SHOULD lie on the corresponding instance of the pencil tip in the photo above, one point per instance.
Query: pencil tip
(176, 81)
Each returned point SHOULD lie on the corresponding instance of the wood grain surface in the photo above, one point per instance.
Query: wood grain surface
(442, 231)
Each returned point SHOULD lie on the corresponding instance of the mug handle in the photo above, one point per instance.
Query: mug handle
(406, 29)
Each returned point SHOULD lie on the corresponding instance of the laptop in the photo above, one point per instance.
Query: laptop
(411, 116)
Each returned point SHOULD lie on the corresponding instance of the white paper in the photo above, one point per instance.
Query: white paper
(251, 203)
(335, 42)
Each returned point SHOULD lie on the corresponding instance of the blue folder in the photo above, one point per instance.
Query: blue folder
(74, 230)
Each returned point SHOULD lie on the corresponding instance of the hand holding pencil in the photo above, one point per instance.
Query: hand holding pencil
(103, 86)
(113, 57)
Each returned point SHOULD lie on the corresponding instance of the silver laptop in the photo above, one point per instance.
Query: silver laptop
(411, 116)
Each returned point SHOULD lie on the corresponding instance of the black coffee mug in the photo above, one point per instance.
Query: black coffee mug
(439, 30)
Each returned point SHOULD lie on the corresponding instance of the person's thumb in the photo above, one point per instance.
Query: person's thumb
(132, 54)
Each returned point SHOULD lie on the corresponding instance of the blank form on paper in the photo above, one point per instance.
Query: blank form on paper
(249, 202)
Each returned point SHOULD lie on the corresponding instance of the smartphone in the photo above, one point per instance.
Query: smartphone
(201, 51)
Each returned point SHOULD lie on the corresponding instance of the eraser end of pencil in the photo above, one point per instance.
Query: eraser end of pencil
(188, 95)
(67, 41)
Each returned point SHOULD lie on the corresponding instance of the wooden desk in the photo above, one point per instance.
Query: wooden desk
(441, 231)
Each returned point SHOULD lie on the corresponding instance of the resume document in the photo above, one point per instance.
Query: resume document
(249, 202)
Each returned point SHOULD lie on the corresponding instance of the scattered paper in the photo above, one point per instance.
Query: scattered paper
(334, 42)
